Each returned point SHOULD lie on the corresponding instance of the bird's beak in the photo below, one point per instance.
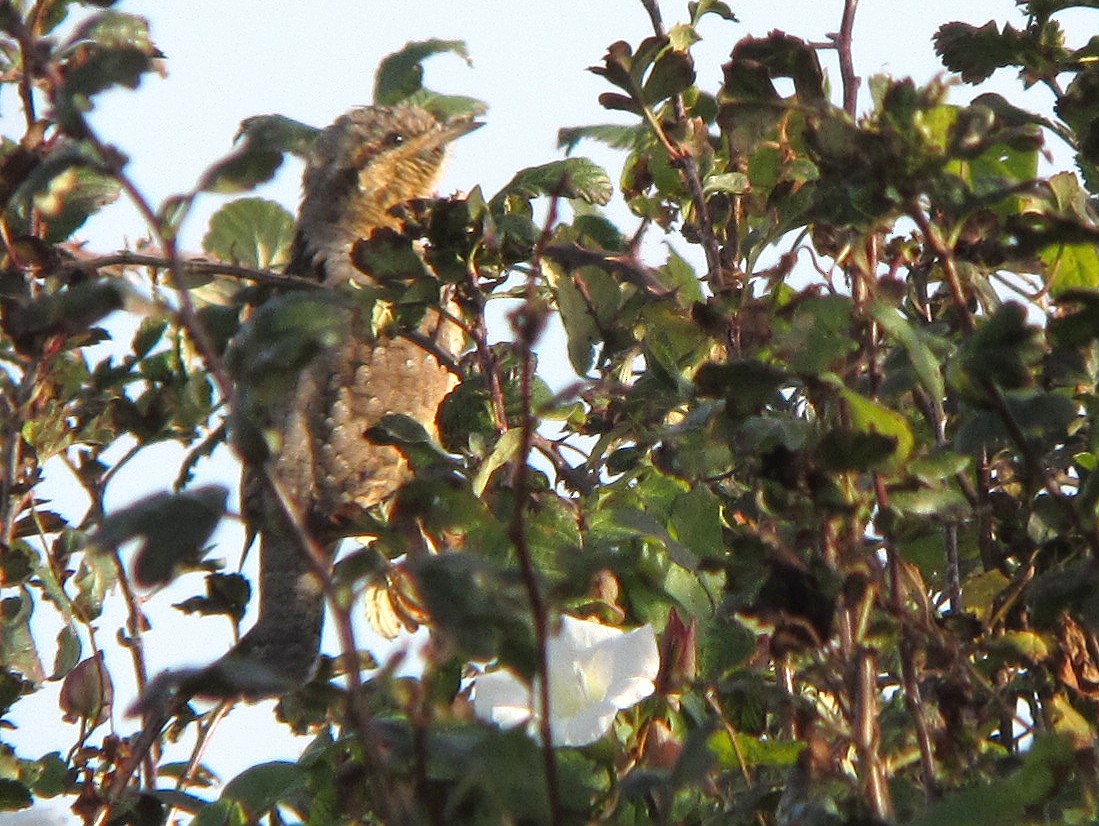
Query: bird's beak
(458, 126)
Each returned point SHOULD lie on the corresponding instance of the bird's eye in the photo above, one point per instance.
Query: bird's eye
(394, 139)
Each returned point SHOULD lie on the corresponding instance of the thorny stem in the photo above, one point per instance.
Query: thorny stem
(527, 324)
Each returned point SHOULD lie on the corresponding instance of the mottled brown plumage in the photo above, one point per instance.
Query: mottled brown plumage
(370, 161)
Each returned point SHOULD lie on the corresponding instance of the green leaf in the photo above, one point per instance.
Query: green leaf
(1006, 800)
(1000, 352)
(501, 455)
(697, 9)
(923, 360)
(14, 795)
(942, 502)
(173, 529)
(735, 183)
(18, 651)
(252, 232)
(819, 334)
(260, 788)
(1070, 267)
(975, 53)
(270, 352)
(751, 751)
(388, 257)
(71, 196)
(643, 523)
(262, 142)
(588, 301)
(400, 75)
(569, 178)
(614, 135)
(68, 652)
(696, 522)
(108, 49)
(870, 417)
(672, 73)
(69, 312)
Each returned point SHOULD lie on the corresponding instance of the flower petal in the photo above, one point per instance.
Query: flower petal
(591, 723)
(502, 698)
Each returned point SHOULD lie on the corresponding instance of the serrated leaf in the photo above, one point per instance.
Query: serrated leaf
(750, 751)
(69, 312)
(569, 178)
(113, 28)
(447, 107)
(975, 53)
(735, 183)
(819, 334)
(401, 74)
(108, 49)
(252, 232)
(173, 529)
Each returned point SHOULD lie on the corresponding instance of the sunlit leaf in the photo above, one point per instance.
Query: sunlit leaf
(569, 178)
(401, 74)
(252, 232)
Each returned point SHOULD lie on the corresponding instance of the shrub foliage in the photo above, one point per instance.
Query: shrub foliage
(839, 453)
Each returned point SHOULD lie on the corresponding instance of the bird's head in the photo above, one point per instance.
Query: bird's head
(370, 160)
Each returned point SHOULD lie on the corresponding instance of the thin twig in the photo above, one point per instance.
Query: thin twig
(906, 651)
(527, 324)
(844, 41)
(196, 266)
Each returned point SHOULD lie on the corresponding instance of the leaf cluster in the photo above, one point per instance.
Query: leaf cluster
(846, 466)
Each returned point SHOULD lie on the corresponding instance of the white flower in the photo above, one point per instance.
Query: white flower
(594, 672)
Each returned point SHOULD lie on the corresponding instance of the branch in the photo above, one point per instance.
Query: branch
(687, 165)
(199, 266)
(843, 42)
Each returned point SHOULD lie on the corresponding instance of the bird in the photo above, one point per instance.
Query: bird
(305, 442)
